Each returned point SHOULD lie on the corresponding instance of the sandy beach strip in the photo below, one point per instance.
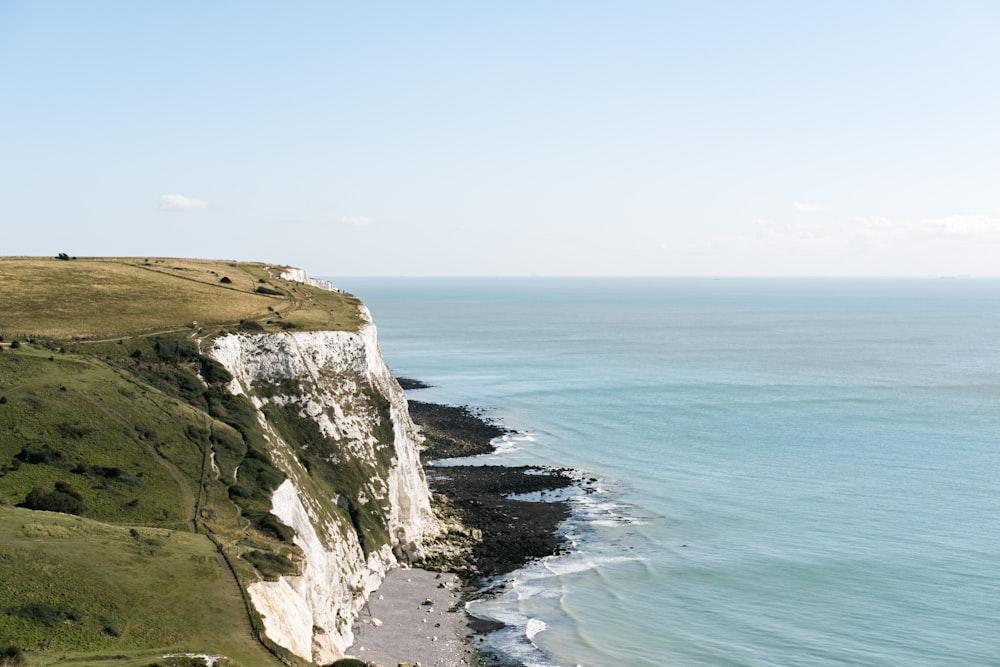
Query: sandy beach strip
(399, 625)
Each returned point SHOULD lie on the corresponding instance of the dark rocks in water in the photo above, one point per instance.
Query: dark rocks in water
(512, 532)
(452, 431)
(482, 626)
(508, 533)
(410, 383)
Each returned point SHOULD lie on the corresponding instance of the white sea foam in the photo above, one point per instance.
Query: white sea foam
(516, 640)
(576, 564)
(534, 582)
(598, 508)
(513, 442)
(533, 627)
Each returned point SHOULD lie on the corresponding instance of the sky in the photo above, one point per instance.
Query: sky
(551, 138)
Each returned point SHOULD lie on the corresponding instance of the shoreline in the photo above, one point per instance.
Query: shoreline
(500, 534)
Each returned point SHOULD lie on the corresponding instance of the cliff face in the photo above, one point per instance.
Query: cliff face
(298, 275)
(355, 492)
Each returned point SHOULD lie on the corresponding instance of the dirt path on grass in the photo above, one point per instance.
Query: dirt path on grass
(190, 501)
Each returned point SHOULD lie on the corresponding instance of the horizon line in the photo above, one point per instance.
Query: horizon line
(670, 276)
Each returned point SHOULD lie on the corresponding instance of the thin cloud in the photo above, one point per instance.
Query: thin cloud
(963, 227)
(809, 207)
(180, 203)
(842, 238)
(805, 235)
(356, 220)
(976, 228)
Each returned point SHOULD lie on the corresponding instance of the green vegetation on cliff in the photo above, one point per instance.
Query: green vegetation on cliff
(134, 487)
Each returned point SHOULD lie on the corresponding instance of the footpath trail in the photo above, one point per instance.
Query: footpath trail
(189, 498)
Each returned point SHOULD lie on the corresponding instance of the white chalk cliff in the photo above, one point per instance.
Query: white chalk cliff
(299, 276)
(339, 380)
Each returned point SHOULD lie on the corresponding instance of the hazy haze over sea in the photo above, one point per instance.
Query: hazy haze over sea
(793, 472)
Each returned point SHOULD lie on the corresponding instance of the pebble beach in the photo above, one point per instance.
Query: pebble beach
(415, 617)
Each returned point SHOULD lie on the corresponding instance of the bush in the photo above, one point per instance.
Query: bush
(175, 349)
(64, 487)
(111, 474)
(212, 371)
(270, 525)
(237, 411)
(112, 625)
(185, 383)
(44, 614)
(44, 498)
(75, 431)
(12, 656)
(269, 564)
(14, 344)
(36, 455)
(239, 491)
(259, 476)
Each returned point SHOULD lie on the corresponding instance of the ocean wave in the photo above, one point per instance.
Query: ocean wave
(598, 507)
(576, 564)
(516, 639)
(512, 442)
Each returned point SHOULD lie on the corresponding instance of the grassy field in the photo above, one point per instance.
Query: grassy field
(159, 477)
(90, 593)
(92, 298)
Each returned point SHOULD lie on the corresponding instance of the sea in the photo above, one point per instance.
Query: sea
(789, 471)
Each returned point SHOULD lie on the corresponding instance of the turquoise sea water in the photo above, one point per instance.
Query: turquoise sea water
(792, 472)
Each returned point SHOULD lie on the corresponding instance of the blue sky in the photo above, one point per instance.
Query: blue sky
(507, 138)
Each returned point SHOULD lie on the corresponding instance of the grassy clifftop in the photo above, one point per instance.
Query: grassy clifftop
(134, 488)
(91, 298)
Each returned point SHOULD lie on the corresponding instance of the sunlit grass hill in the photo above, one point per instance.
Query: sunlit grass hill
(88, 298)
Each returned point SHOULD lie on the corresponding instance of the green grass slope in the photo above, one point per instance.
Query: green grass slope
(77, 591)
(78, 421)
(134, 488)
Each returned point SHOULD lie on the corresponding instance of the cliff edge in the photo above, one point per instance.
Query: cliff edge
(327, 398)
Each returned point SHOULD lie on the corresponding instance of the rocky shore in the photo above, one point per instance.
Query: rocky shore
(504, 530)
(452, 431)
(510, 531)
